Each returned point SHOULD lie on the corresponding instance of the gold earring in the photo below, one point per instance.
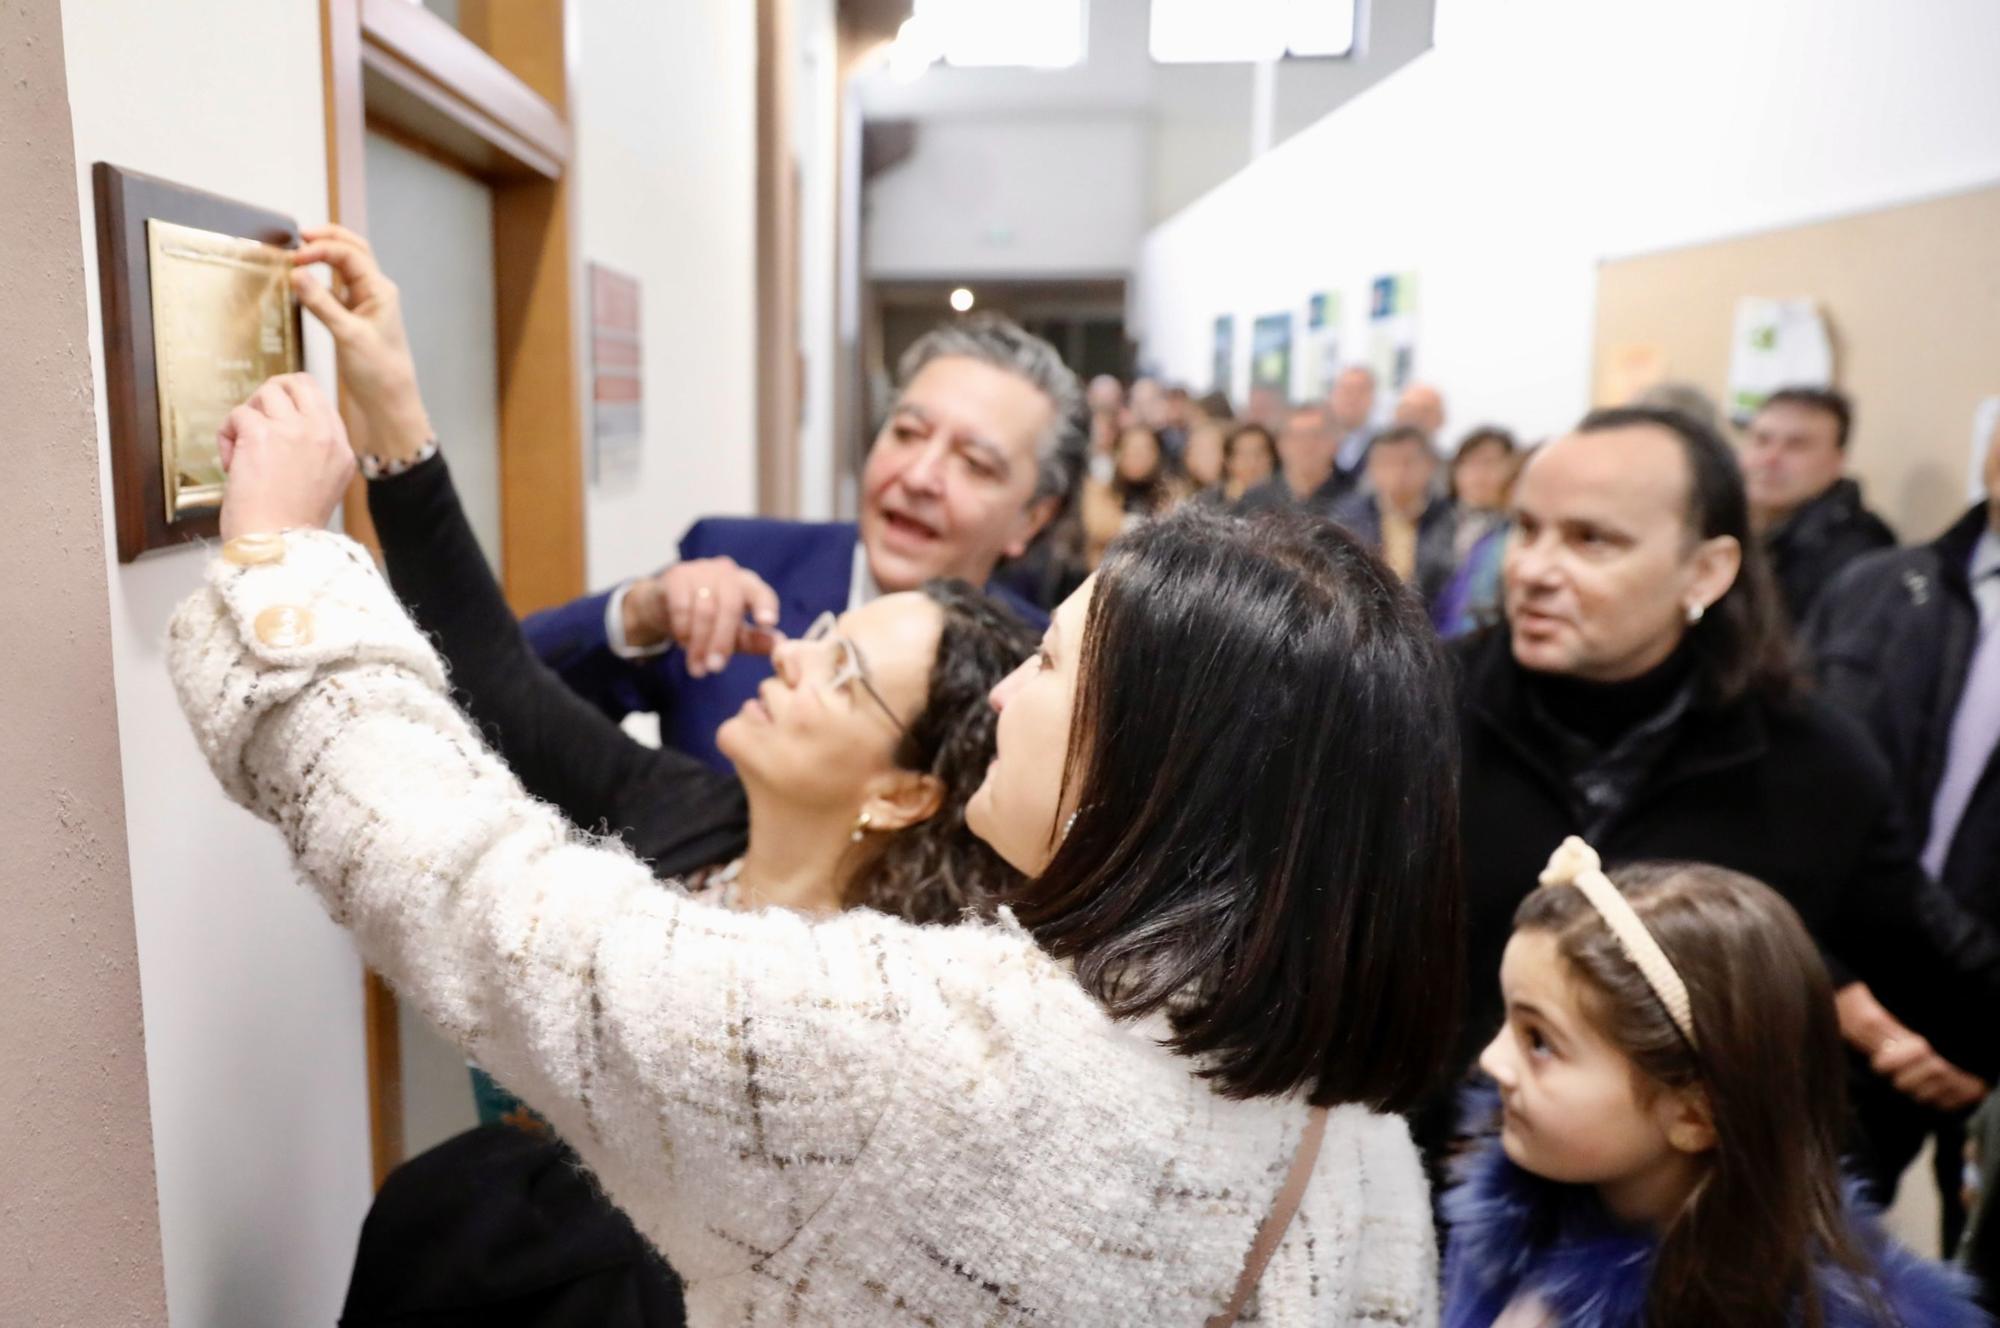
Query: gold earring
(861, 824)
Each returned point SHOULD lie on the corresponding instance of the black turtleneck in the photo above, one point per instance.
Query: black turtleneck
(1603, 712)
(1608, 736)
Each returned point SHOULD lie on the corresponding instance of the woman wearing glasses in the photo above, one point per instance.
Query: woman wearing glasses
(855, 760)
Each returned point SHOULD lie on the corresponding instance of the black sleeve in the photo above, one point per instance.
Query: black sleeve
(1934, 965)
(1845, 633)
(670, 808)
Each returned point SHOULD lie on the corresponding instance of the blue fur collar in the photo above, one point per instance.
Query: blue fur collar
(1512, 1232)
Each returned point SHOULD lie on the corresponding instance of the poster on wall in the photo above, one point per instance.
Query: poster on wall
(1776, 343)
(1270, 368)
(1222, 376)
(617, 433)
(1322, 348)
(1392, 335)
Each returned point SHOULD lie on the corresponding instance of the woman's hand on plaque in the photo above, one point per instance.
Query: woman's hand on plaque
(287, 458)
(378, 377)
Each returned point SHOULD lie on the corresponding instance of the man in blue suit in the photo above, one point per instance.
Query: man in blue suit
(975, 458)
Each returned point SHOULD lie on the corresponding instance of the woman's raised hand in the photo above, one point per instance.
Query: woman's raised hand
(287, 458)
(378, 378)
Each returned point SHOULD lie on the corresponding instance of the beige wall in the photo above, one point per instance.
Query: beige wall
(1908, 294)
(79, 1227)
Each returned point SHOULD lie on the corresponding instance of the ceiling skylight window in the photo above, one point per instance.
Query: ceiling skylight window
(1019, 34)
(1246, 31)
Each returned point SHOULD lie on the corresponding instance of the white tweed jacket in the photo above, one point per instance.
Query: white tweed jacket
(843, 1121)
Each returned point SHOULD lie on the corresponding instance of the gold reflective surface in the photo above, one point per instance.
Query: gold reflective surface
(223, 322)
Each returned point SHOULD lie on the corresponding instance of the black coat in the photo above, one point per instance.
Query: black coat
(501, 1228)
(672, 810)
(1891, 643)
(1811, 546)
(1791, 793)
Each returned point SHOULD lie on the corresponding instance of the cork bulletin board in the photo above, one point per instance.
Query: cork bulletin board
(1911, 295)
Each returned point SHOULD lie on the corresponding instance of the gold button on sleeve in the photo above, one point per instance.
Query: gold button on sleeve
(283, 626)
(250, 550)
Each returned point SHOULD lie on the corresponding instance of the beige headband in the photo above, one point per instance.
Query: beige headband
(1576, 863)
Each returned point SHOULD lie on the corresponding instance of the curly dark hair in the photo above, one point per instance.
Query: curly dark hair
(935, 870)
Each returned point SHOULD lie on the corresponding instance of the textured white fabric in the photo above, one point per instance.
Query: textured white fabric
(845, 1121)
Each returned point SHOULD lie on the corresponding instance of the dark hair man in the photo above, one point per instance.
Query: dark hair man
(1809, 515)
(1400, 514)
(1307, 477)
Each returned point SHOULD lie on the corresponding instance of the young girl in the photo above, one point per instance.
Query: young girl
(1670, 1079)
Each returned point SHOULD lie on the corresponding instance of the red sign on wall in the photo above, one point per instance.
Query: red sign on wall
(617, 430)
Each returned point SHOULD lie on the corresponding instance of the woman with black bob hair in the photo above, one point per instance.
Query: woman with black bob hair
(1144, 1092)
(1280, 874)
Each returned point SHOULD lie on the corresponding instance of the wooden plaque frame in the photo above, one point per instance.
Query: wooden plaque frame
(125, 202)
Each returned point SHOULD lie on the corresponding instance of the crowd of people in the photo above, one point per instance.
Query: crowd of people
(1152, 451)
(1595, 864)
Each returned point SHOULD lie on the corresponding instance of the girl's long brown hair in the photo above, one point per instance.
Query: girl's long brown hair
(1767, 1211)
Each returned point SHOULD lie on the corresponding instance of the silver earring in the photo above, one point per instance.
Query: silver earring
(1694, 613)
(861, 824)
(1070, 824)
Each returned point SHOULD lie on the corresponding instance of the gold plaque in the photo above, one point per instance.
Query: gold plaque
(223, 322)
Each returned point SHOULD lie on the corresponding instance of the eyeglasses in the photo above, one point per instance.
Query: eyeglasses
(848, 666)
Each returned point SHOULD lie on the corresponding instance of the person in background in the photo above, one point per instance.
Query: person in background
(1146, 404)
(1145, 483)
(1481, 477)
(1399, 513)
(1350, 405)
(1177, 418)
(1802, 506)
(1105, 395)
(1643, 693)
(1249, 458)
(1908, 642)
(972, 462)
(1267, 406)
(1307, 477)
(1105, 401)
(1202, 461)
(1665, 1147)
(1421, 406)
(1686, 398)
(1215, 408)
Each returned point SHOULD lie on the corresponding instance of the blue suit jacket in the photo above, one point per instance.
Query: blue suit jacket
(809, 564)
